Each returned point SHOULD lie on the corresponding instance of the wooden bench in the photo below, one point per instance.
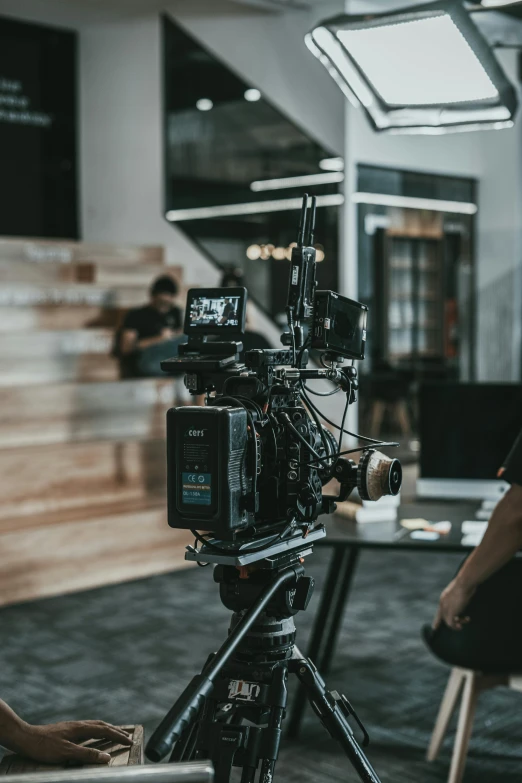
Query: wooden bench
(72, 412)
(82, 454)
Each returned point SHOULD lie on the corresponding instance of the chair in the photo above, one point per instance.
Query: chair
(485, 654)
(388, 389)
(470, 684)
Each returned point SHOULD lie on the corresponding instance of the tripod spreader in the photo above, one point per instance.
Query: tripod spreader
(190, 702)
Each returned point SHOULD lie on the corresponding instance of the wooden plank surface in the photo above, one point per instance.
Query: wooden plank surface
(48, 251)
(87, 553)
(121, 755)
(63, 317)
(82, 455)
(41, 294)
(71, 412)
(34, 371)
(43, 479)
(106, 275)
(56, 343)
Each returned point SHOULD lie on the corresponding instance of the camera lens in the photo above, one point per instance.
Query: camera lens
(378, 475)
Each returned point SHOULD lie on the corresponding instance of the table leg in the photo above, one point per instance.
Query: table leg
(322, 620)
(347, 572)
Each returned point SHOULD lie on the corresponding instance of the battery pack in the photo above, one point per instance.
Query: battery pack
(207, 476)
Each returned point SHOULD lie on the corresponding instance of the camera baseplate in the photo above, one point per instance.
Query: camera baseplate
(265, 547)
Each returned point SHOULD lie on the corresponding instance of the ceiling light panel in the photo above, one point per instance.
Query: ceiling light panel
(421, 69)
(415, 63)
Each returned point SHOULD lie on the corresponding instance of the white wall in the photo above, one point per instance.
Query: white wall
(269, 50)
(120, 102)
(121, 179)
(121, 141)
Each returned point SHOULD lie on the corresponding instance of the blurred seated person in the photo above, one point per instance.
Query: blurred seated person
(151, 333)
(57, 743)
(502, 540)
(477, 623)
(233, 278)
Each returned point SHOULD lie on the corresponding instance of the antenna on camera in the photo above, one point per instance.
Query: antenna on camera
(302, 222)
(311, 223)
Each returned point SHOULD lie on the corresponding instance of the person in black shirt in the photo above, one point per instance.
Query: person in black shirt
(228, 312)
(151, 333)
(502, 540)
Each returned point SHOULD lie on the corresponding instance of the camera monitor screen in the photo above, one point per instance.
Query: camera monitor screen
(339, 325)
(215, 311)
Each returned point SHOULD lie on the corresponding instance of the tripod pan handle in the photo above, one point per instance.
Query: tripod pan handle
(178, 718)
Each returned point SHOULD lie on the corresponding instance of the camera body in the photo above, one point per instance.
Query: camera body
(253, 462)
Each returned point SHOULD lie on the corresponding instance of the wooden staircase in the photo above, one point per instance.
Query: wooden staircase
(82, 453)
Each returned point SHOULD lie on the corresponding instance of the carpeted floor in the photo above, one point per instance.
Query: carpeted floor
(123, 654)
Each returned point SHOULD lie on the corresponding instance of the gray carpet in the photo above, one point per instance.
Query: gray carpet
(123, 653)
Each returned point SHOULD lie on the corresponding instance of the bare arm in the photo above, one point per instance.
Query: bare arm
(503, 538)
(129, 340)
(57, 742)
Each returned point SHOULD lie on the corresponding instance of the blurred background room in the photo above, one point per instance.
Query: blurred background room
(152, 146)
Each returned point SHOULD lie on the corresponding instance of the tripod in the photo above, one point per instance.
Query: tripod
(232, 713)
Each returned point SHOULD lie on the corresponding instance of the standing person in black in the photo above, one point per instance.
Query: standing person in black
(151, 333)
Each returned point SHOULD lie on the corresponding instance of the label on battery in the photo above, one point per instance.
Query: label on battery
(196, 489)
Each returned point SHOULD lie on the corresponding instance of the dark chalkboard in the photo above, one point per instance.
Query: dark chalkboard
(38, 118)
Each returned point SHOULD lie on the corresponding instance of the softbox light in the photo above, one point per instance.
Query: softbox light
(425, 69)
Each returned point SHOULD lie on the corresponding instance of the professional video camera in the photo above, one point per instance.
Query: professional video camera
(249, 470)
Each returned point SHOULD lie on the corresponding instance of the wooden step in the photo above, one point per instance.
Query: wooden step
(62, 317)
(84, 368)
(55, 343)
(105, 275)
(72, 412)
(125, 295)
(88, 552)
(44, 252)
(18, 294)
(29, 358)
(46, 479)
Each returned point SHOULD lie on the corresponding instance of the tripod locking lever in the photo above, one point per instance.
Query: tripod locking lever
(349, 711)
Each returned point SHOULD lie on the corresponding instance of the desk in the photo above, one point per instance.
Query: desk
(346, 539)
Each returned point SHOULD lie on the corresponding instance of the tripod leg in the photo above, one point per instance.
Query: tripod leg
(333, 710)
(184, 748)
(274, 727)
(314, 649)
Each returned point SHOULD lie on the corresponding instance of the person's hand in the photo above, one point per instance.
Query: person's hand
(453, 602)
(58, 742)
(166, 333)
